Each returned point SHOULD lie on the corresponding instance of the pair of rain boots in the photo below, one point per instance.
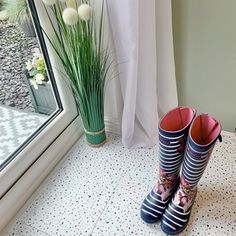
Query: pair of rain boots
(187, 141)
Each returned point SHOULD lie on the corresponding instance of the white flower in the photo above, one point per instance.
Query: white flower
(37, 52)
(70, 16)
(34, 83)
(39, 78)
(49, 2)
(85, 12)
(29, 65)
(71, 4)
(34, 62)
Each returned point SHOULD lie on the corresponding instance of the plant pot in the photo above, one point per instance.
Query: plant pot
(42, 98)
(91, 109)
(27, 27)
(96, 138)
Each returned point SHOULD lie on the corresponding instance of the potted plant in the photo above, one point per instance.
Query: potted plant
(39, 84)
(17, 12)
(78, 44)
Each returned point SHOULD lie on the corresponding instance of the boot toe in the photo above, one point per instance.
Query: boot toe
(147, 218)
(169, 229)
(174, 220)
(152, 208)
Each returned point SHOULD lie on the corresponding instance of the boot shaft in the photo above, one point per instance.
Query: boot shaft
(203, 134)
(173, 130)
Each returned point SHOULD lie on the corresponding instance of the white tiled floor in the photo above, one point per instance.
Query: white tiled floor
(98, 192)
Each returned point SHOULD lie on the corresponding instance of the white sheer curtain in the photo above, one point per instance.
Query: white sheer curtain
(142, 34)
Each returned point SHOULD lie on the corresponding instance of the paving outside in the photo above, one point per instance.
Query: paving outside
(15, 50)
(15, 127)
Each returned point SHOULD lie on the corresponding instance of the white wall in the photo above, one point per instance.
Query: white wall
(205, 56)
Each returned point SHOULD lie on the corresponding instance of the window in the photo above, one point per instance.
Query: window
(31, 163)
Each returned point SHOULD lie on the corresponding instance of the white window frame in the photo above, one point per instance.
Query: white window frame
(21, 177)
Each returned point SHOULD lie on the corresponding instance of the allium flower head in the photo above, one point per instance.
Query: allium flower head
(85, 12)
(49, 2)
(70, 16)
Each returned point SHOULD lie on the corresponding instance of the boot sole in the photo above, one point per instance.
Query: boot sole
(148, 221)
(176, 232)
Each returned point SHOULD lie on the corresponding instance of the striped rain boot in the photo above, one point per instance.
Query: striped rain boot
(173, 130)
(203, 135)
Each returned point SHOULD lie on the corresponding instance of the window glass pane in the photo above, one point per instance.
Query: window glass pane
(28, 95)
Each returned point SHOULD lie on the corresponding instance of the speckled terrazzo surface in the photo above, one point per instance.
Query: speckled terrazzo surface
(99, 192)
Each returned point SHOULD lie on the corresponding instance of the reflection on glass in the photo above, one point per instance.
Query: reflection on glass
(26, 96)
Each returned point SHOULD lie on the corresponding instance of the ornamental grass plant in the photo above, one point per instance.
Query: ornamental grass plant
(78, 43)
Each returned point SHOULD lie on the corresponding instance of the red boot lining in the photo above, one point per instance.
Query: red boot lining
(177, 119)
(205, 129)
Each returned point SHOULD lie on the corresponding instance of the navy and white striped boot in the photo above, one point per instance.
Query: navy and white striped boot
(173, 130)
(203, 135)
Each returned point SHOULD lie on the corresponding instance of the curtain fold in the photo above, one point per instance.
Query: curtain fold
(144, 48)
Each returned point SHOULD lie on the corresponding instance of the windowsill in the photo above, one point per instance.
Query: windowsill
(17, 195)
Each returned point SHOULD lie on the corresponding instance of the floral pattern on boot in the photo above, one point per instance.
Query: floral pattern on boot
(185, 195)
(165, 184)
